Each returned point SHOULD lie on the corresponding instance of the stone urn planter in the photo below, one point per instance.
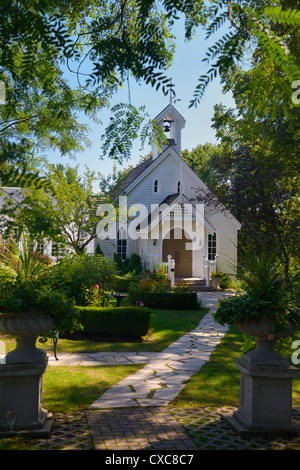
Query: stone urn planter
(216, 281)
(265, 383)
(263, 329)
(26, 328)
(21, 375)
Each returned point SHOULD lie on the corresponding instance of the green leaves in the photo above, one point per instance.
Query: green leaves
(128, 123)
(283, 16)
(249, 26)
(22, 178)
(25, 263)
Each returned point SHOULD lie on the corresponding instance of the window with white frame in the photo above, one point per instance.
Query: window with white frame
(58, 249)
(41, 246)
(212, 246)
(121, 246)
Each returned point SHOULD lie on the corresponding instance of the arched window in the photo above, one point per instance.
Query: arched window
(178, 187)
(155, 186)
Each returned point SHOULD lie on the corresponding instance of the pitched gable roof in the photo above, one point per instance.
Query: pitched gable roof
(172, 200)
(140, 171)
(135, 172)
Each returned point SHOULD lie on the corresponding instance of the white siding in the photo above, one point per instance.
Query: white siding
(226, 232)
(168, 172)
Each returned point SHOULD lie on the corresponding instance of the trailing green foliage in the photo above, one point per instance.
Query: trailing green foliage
(127, 123)
(267, 295)
(22, 297)
(250, 22)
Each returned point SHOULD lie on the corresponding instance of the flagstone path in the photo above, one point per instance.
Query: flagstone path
(133, 414)
(165, 373)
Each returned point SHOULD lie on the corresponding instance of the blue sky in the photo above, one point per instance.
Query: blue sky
(186, 69)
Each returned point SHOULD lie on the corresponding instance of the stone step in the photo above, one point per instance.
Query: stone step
(198, 284)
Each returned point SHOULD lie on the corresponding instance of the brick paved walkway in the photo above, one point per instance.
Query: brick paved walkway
(134, 414)
(138, 429)
(159, 429)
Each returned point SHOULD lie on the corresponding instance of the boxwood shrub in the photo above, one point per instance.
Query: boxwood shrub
(164, 300)
(121, 284)
(118, 321)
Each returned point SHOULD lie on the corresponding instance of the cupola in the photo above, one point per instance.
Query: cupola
(172, 123)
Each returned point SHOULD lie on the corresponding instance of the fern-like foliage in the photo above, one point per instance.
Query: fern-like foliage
(247, 25)
(127, 124)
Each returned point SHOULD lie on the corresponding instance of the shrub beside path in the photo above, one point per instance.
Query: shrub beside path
(133, 415)
(165, 373)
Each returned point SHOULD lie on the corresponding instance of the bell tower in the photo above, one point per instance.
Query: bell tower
(172, 123)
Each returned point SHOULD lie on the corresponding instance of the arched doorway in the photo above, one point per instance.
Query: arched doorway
(176, 248)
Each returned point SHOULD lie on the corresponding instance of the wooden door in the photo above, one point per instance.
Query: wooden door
(183, 258)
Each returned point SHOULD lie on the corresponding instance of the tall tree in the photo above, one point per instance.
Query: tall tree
(72, 207)
(261, 164)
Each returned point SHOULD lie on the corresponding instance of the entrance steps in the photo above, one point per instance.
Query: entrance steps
(197, 283)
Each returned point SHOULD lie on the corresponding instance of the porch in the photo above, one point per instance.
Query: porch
(201, 283)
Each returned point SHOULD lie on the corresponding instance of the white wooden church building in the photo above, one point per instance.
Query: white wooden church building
(180, 210)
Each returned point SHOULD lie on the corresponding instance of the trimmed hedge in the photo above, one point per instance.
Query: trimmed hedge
(121, 283)
(171, 300)
(118, 321)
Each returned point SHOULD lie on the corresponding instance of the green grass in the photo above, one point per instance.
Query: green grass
(75, 388)
(217, 384)
(218, 381)
(69, 389)
(166, 326)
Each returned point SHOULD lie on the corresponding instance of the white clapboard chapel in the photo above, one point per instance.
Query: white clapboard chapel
(182, 221)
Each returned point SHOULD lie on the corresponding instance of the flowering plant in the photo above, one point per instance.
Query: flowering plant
(153, 280)
(95, 297)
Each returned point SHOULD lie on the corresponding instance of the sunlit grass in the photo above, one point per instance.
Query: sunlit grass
(218, 381)
(166, 326)
(75, 388)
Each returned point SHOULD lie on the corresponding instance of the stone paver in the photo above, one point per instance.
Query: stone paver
(101, 359)
(200, 428)
(166, 373)
(132, 415)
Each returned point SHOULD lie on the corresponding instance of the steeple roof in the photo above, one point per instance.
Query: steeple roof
(170, 110)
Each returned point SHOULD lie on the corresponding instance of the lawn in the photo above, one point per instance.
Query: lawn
(166, 326)
(218, 382)
(67, 389)
(76, 388)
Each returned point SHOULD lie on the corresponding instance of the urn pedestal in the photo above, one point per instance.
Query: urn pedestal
(265, 400)
(265, 386)
(21, 376)
(21, 391)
